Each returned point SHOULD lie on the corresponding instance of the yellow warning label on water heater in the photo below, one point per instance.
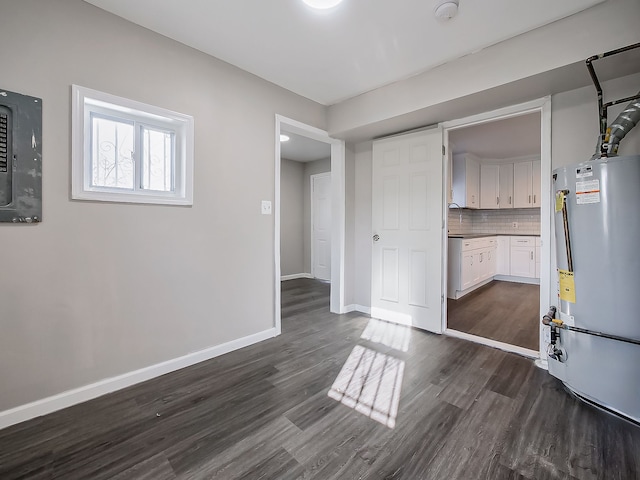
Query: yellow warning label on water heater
(567, 286)
(559, 201)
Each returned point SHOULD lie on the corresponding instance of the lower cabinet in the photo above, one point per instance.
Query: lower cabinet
(474, 261)
(523, 257)
(471, 261)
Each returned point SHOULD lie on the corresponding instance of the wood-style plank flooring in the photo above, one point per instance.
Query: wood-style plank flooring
(504, 311)
(334, 397)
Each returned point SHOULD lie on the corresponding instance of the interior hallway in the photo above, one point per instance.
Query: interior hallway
(334, 397)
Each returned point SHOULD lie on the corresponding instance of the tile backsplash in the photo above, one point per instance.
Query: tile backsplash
(495, 221)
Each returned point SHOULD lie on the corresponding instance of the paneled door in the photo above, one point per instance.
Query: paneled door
(321, 226)
(407, 206)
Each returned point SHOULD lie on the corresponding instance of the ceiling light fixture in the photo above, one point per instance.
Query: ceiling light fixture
(284, 138)
(322, 4)
(446, 10)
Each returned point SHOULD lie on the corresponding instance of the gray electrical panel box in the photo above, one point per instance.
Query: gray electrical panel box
(20, 158)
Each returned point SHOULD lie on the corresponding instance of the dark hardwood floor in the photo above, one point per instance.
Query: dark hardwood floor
(334, 397)
(504, 311)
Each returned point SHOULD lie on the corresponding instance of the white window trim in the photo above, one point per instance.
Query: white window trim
(183, 125)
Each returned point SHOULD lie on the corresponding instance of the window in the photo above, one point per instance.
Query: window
(127, 151)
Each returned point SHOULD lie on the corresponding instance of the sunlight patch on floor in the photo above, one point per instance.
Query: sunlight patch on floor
(386, 333)
(370, 383)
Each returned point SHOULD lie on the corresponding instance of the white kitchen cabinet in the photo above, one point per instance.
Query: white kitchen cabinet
(503, 264)
(466, 181)
(522, 185)
(536, 171)
(471, 263)
(538, 245)
(523, 257)
(526, 184)
(505, 190)
(489, 186)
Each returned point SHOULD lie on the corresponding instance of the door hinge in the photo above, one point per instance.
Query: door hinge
(441, 298)
(444, 150)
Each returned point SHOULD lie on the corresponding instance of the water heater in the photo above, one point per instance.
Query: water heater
(595, 328)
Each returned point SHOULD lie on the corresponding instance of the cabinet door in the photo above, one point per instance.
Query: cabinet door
(492, 262)
(478, 266)
(505, 191)
(465, 181)
(503, 266)
(466, 273)
(535, 185)
(473, 183)
(522, 183)
(523, 262)
(489, 186)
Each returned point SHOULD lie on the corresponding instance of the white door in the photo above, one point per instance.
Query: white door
(407, 206)
(321, 226)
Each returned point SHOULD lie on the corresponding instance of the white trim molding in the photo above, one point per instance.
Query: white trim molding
(82, 394)
(525, 352)
(284, 278)
(357, 308)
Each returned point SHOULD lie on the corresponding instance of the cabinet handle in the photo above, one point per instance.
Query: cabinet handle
(529, 198)
(531, 255)
(534, 199)
(509, 199)
(497, 200)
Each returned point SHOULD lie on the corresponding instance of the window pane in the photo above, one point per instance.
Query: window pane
(157, 160)
(111, 153)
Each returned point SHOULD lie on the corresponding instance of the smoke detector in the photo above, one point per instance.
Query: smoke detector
(446, 9)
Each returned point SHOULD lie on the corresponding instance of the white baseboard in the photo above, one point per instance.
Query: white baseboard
(284, 278)
(108, 385)
(507, 347)
(357, 308)
(510, 278)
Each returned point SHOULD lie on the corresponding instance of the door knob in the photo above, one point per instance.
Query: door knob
(376, 237)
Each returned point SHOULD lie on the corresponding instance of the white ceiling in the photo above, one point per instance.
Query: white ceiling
(509, 138)
(333, 55)
(303, 149)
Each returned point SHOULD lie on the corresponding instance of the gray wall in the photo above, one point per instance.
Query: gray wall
(311, 168)
(574, 134)
(575, 121)
(101, 289)
(291, 217)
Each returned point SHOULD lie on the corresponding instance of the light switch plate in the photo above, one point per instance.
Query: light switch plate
(266, 207)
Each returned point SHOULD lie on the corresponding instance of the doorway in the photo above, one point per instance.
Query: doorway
(498, 227)
(309, 151)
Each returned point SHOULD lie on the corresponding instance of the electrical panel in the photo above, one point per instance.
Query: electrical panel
(20, 158)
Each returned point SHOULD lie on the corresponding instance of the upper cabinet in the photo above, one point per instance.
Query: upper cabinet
(486, 184)
(489, 186)
(526, 184)
(466, 181)
(536, 167)
(506, 185)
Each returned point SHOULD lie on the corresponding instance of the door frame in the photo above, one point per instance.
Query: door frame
(543, 106)
(311, 203)
(337, 213)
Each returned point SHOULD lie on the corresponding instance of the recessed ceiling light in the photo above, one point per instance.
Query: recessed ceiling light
(284, 138)
(322, 4)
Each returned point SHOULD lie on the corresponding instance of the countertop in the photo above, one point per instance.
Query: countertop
(480, 235)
